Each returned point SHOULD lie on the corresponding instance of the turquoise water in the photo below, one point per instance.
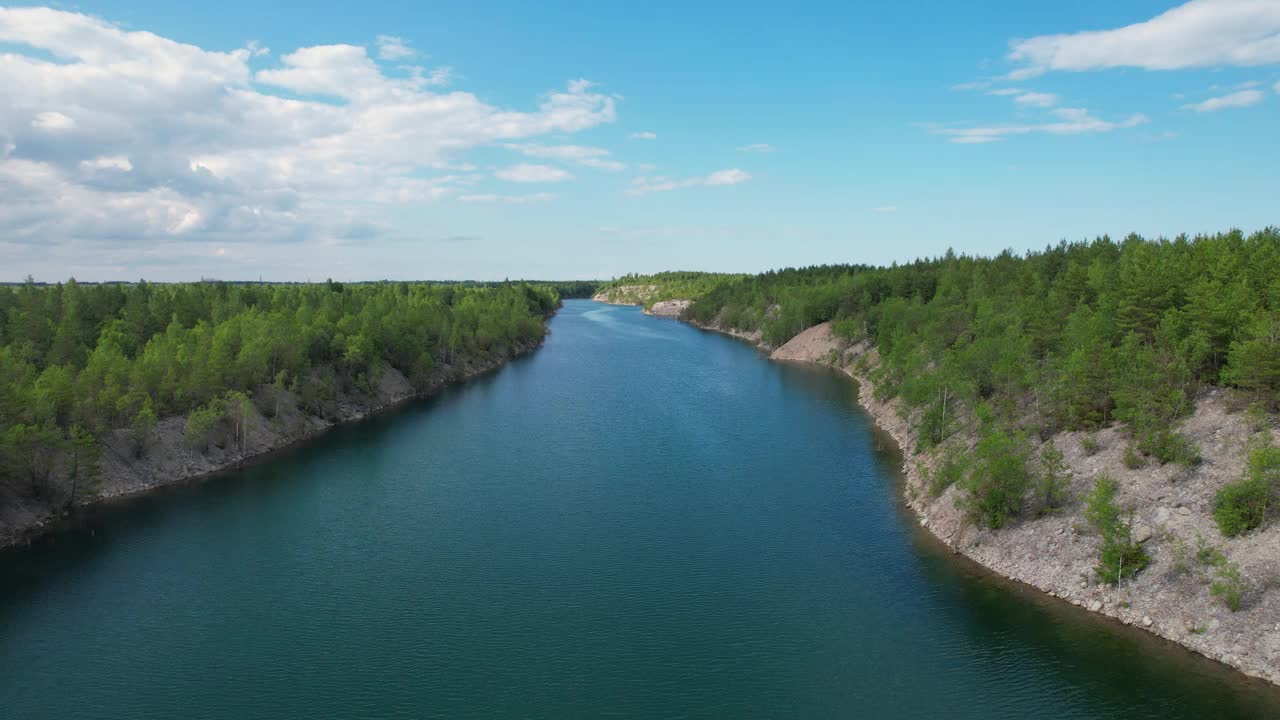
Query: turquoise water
(638, 520)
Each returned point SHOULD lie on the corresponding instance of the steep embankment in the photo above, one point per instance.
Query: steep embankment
(1055, 553)
(626, 294)
(168, 459)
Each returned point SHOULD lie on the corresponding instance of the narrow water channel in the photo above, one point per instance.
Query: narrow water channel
(638, 520)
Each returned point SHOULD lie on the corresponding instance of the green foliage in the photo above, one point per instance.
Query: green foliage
(203, 424)
(950, 471)
(1120, 556)
(1053, 480)
(1242, 505)
(1207, 555)
(1091, 333)
(648, 289)
(1090, 445)
(998, 480)
(92, 358)
(140, 429)
(1229, 585)
(1132, 459)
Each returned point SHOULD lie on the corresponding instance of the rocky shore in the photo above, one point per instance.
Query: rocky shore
(1057, 553)
(168, 460)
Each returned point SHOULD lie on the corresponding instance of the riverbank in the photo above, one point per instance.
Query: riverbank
(1056, 554)
(168, 459)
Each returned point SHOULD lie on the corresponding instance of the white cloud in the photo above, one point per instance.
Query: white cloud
(646, 185)
(728, 177)
(391, 47)
(1277, 88)
(1200, 33)
(107, 162)
(527, 173)
(643, 135)
(1068, 121)
(1037, 99)
(508, 199)
(757, 148)
(592, 157)
(1242, 98)
(1027, 98)
(885, 209)
(157, 139)
(53, 121)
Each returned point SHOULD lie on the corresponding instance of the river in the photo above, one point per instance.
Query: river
(640, 519)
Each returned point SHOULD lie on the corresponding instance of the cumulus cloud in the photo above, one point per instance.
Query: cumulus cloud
(119, 136)
(592, 157)
(1242, 98)
(1065, 121)
(646, 185)
(757, 148)
(643, 135)
(391, 47)
(1200, 33)
(527, 173)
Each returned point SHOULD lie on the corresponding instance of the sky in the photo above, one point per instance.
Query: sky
(556, 140)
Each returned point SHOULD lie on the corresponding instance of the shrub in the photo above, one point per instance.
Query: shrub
(1089, 444)
(1168, 446)
(1230, 586)
(1206, 554)
(1052, 481)
(998, 480)
(949, 472)
(1120, 557)
(202, 425)
(1241, 506)
(1132, 459)
(140, 430)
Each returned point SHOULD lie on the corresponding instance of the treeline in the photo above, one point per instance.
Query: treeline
(78, 360)
(1078, 336)
(779, 303)
(649, 289)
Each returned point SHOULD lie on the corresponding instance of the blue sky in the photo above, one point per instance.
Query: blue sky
(459, 139)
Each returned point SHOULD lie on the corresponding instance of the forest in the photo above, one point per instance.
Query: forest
(1078, 336)
(78, 360)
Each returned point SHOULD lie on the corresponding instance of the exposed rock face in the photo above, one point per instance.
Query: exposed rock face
(1173, 510)
(817, 344)
(626, 295)
(669, 308)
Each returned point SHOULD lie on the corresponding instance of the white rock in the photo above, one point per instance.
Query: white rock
(1163, 515)
(1146, 620)
(1142, 533)
(1095, 606)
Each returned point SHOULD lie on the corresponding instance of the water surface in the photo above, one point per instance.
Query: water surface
(638, 520)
